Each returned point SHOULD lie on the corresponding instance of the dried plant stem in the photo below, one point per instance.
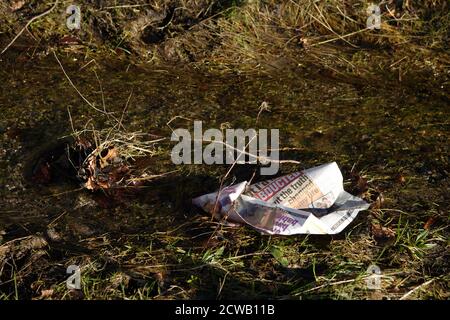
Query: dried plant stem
(28, 23)
(76, 89)
(416, 288)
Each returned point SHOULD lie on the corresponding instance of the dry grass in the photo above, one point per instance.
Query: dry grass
(195, 257)
(249, 35)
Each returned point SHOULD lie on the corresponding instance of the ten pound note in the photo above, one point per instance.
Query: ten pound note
(312, 201)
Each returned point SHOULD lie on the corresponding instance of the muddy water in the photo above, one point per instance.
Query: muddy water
(381, 129)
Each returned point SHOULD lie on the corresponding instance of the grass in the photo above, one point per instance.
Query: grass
(143, 273)
(250, 36)
(393, 113)
(298, 268)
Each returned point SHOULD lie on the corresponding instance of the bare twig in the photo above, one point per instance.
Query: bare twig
(339, 37)
(101, 88)
(126, 6)
(124, 110)
(226, 175)
(416, 288)
(76, 89)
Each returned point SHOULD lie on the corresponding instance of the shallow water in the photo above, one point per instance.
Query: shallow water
(382, 130)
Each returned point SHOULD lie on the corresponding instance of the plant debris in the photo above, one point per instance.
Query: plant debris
(113, 163)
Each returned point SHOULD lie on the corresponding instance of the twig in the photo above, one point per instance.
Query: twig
(125, 109)
(70, 119)
(84, 66)
(226, 175)
(63, 193)
(101, 88)
(57, 218)
(153, 176)
(416, 288)
(222, 283)
(346, 281)
(28, 23)
(246, 153)
(15, 240)
(327, 26)
(126, 6)
(339, 37)
(76, 89)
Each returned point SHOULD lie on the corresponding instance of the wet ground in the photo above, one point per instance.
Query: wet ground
(390, 140)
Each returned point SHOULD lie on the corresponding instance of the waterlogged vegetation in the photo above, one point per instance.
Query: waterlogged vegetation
(374, 101)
